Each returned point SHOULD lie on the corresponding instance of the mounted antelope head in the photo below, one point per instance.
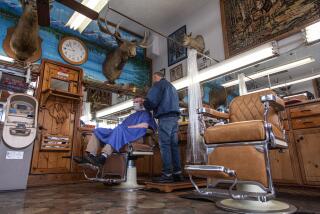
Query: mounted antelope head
(23, 40)
(116, 60)
(194, 43)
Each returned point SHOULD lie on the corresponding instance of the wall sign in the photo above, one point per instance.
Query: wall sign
(13, 83)
(176, 73)
(14, 155)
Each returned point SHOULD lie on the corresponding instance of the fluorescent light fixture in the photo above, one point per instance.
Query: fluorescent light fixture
(80, 22)
(5, 58)
(248, 58)
(272, 71)
(116, 108)
(313, 32)
(242, 60)
(181, 83)
(289, 83)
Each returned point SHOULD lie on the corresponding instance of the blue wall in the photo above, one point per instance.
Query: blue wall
(137, 70)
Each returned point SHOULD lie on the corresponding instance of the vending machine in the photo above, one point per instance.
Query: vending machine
(19, 131)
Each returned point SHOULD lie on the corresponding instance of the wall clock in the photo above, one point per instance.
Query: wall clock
(73, 50)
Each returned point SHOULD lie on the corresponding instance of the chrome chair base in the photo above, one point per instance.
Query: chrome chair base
(247, 206)
(131, 182)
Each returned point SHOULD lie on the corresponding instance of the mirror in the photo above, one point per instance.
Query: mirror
(290, 73)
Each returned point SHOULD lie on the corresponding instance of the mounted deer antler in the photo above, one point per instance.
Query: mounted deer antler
(116, 60)
(196, 43)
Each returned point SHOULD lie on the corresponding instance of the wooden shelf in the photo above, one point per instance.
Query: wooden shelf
(57, 93)
(118, 89)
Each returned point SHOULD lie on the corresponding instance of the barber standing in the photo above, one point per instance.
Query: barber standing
(163, 100)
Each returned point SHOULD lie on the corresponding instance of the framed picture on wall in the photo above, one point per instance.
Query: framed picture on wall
(247, 23)
(163, 71)
(176, 73)
(176, 52)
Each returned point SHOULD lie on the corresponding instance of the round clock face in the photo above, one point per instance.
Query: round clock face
(73, 50)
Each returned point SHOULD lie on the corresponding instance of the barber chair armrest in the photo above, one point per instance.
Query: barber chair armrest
(209, 112)
(149, 131)
(274, 101)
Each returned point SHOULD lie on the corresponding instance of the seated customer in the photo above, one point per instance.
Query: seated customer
(131, 129)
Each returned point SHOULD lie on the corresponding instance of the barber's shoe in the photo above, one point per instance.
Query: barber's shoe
(178, 177)
(163, 179)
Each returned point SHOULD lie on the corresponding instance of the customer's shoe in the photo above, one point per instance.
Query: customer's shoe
(163, 179)
(178, 177)
(79, 160)
(91, 159)
(101, 159)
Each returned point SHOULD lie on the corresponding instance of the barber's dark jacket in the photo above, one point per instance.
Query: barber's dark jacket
(163, 100)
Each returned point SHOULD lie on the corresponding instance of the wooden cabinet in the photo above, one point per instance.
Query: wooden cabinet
(59, 94)
(284, 164)
(282, 168)
(300, 163)
(308, 147)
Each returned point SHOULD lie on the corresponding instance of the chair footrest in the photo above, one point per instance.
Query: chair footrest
(106, 180)
(238, 195)
(141, 153)
(208, 170)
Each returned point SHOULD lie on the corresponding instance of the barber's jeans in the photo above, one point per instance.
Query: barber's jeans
(169, 148)
(94, 145)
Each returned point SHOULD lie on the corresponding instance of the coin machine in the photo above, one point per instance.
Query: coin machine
(19, 131)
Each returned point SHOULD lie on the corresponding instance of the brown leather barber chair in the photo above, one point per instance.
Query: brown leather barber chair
(238, 154)
(120, 168)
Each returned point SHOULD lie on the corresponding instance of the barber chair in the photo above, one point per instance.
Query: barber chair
(120, 168)
(237, 154)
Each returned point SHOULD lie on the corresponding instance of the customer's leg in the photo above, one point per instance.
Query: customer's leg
(165, 147)
(105, 153)
(175, 151)
(93, 145)
(107, 150)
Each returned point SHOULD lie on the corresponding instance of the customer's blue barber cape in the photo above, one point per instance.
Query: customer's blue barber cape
(122, 135)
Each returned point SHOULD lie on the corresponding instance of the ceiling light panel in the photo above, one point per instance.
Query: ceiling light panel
(80, 22)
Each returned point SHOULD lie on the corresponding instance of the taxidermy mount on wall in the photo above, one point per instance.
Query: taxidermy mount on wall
(196, 43)
(116, 60)
(22, 42)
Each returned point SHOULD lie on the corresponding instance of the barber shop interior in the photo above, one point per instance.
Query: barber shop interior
(149, 106)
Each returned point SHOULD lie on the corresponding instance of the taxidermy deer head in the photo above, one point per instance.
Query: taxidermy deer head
(24, 41)
(194, 43)
(116, 60)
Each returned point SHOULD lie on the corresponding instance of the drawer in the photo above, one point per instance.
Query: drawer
(306, 110)
(183, 128)
(306, 122)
